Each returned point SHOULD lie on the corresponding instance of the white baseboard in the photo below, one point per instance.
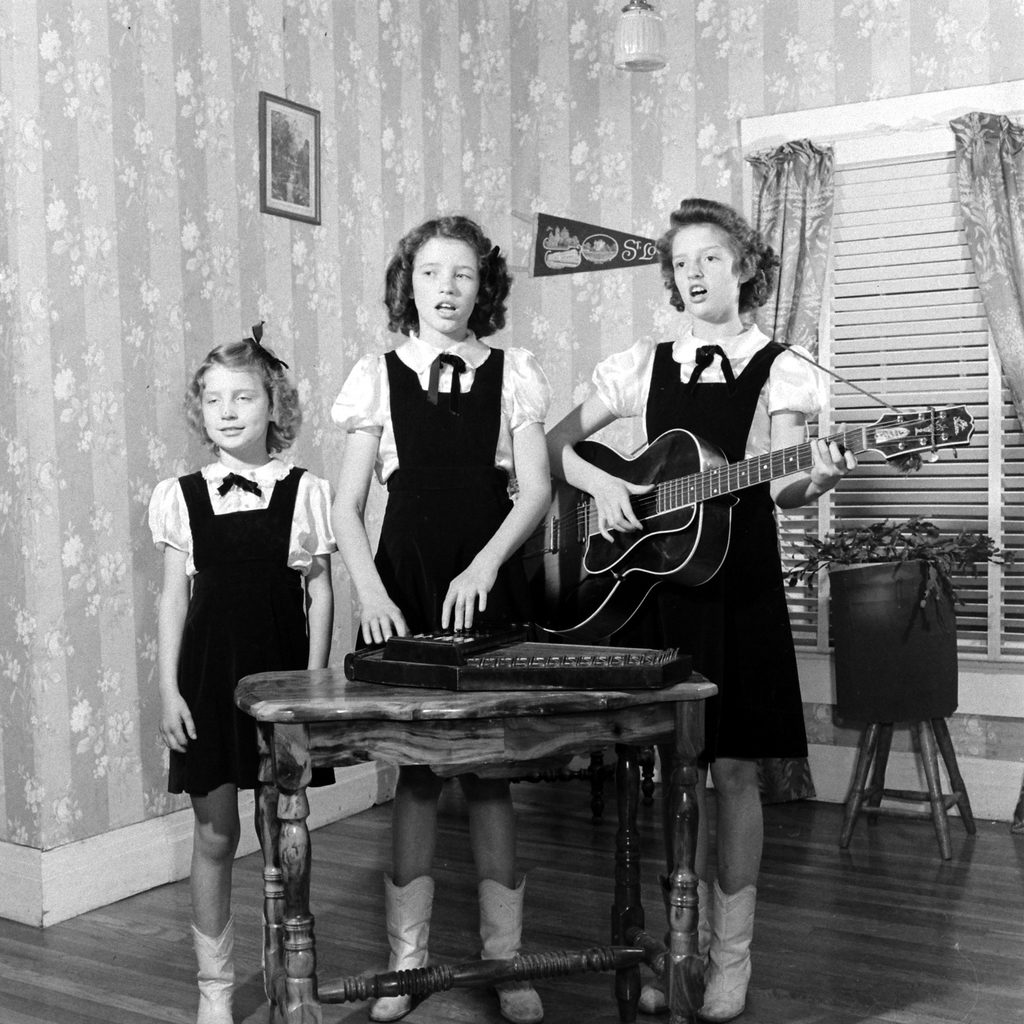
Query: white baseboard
(993, 689)
(986, 689)
(44, 887)
(993, 787)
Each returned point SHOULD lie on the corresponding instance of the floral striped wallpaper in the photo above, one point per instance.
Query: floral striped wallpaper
(131, 241)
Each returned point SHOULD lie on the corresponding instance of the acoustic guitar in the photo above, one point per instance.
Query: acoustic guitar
(594, 586)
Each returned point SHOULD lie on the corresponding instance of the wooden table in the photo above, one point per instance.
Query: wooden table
(315, 718)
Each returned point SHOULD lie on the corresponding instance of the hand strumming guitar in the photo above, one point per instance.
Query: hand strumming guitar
(613, 500)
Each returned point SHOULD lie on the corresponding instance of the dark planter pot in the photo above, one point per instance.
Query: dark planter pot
(896, 661)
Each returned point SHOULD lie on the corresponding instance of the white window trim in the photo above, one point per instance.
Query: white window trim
(911, 125)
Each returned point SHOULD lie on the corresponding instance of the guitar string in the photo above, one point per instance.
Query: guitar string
(701, 495)
(581, 514)
(703, 485)
(733, 473)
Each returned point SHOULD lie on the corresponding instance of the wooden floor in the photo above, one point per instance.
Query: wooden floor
(883, 932)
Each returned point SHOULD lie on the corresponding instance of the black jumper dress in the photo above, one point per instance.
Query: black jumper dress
(446, 499)
(246, 614)
(736, 625)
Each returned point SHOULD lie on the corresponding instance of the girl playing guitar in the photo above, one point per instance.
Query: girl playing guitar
(726, 382)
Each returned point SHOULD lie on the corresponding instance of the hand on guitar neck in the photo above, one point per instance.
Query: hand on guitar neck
(669, 513)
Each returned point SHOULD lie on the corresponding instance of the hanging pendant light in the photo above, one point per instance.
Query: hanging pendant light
(640, 38)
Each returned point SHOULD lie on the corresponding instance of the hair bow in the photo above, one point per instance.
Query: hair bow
(256, 341)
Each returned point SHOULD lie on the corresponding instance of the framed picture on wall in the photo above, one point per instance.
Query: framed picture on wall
(289, 159)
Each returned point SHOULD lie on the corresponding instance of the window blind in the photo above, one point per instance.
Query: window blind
(906, 323)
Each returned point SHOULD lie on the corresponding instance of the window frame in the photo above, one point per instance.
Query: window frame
(893, 128)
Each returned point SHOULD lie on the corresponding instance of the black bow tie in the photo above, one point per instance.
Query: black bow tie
(243, 483)
(704, 358)
(458, 366)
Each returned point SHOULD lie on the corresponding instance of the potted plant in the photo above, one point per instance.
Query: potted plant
(893, 617)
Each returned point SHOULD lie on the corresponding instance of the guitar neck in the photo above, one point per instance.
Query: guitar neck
(672, 495)
(895, 435)
(759, 469)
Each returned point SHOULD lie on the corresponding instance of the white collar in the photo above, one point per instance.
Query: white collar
(739, 348)
(418, 354)
(269, 473)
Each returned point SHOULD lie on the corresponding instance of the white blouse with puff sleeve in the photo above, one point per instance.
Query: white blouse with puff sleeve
(623, 381)
(311, 533)
(364, 402)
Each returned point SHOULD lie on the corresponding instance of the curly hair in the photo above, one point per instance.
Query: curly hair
(248, 354)
(754, 255)
(488, 315)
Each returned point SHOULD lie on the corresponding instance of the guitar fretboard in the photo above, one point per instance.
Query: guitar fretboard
(895, 436)
(712, 483)
(672, 495)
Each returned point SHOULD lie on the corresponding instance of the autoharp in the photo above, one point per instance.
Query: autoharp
(507, 660)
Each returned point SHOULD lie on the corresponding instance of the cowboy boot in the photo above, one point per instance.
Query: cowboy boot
(407, 913)
(732, 928)
(216, 974)
(652, 995)
(501, 928)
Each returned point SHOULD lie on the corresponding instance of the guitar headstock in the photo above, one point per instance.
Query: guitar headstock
(901, 434)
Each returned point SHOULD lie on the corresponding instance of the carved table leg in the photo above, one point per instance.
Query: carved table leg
(301, 1004)
(627, 911)
(647, 775)
(268, 829)
(684, 969)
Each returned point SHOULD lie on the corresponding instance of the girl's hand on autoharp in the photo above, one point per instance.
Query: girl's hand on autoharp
(380, 619)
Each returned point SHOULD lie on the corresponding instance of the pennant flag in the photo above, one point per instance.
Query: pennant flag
(565, 246)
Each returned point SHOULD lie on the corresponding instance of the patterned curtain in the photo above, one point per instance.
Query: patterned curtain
(793, 193)
(990, 177)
